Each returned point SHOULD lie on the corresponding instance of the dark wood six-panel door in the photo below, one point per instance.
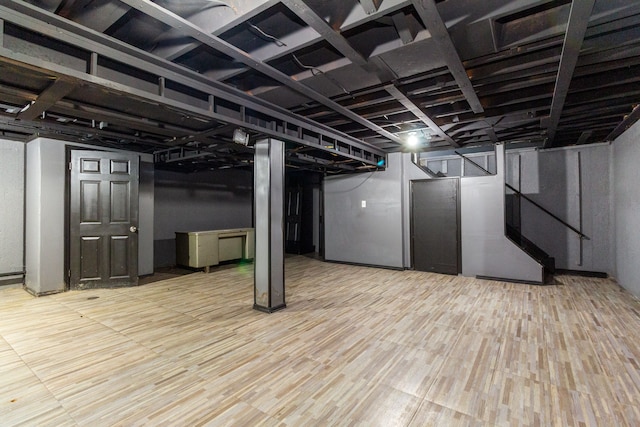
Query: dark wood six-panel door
(103, 219)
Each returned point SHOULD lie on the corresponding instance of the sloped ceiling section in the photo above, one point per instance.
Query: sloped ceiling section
(343, 82)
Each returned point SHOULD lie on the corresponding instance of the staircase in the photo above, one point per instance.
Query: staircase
(513, 230)
(548, 262)
(513, 200)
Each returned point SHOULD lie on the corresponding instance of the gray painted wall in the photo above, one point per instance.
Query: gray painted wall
(553, 179)
(12, 157)
(146, 190)
(45, 193)
(45, 216)
(626, 206)
(199, 201)
(33, 191)
(485, 249)
(379, 234)
(371, 234)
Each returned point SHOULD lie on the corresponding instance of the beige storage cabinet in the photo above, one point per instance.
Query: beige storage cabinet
(200, 249)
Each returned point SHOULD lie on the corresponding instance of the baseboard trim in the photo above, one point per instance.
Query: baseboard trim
(358, 264)
(504, 279)
(12, 282)
(598, 274)
(42, 294)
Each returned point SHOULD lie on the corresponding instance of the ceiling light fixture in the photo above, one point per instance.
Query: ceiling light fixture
(412, 140)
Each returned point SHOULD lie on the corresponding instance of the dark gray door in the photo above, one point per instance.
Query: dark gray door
(103, 219)
(293, 229)
(435, 225)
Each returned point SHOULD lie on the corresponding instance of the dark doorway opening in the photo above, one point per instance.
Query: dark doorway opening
(300, 211)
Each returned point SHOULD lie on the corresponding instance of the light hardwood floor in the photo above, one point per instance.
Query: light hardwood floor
(355, 346)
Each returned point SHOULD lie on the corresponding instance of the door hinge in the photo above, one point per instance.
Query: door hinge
(70, 165)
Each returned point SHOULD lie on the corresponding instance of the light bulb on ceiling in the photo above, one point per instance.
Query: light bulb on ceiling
(412, 140)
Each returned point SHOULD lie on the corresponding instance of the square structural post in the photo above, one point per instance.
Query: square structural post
(268, 187)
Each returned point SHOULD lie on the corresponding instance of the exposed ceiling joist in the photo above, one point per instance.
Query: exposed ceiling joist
(584, 137)
(370, 6)
(143, 84)
(304, 12)
(120, 90)
(67, 7)
(401, 23)
(628, 121)
(576, 28)
(492, 135)
(97, 15)
(31, 18)
(86, 112)
(54, 93)
(295, 42)
(409, 105)
(205, 134)
(431, 18)
(166, 46)
(189, 29)
(94, 136)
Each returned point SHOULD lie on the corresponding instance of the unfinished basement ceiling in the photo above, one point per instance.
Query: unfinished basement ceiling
(343, 82)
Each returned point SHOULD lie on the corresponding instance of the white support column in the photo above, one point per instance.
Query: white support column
(268, 187)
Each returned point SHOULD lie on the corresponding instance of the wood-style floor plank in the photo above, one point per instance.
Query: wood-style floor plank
(355, 346)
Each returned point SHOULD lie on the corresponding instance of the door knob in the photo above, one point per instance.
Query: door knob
(133, 229)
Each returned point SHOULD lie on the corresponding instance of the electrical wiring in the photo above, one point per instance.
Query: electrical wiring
(208, 4)
(276, 40)
(315, 71)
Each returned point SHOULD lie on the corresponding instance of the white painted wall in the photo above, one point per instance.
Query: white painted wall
(12, 155)
(626, 208)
